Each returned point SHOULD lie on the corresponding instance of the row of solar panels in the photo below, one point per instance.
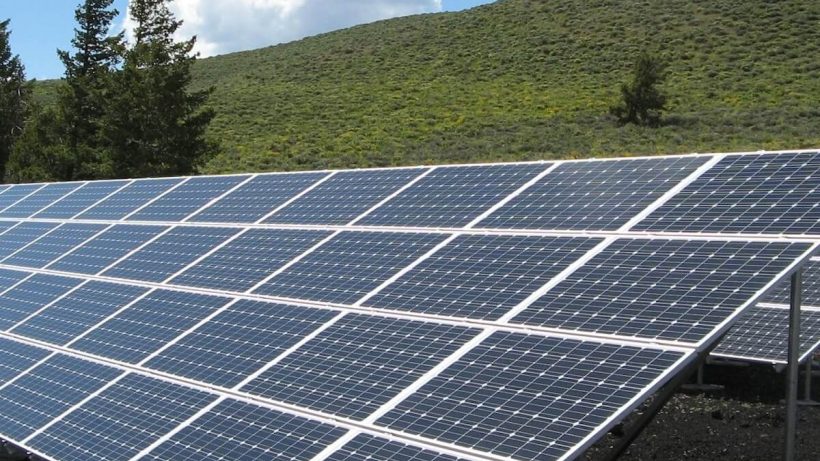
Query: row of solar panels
(661, 293)
(761, 333)
(582, 195)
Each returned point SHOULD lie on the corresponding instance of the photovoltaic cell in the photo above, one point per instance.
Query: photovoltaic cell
(664, 289)
(39, 200)
(747, 194)
(239, 341)
(105, 249)
(26, 298)
(177, 204)
(121, 421)
(343, 197)
(48, 391)
(9, 277)
(810, 292)
(22, 234)
(529, 397)
(170, 253)
(53, 245)
(236, 430)
(248, 259)
(452, 196)
(148, 324)
(481, 276)
(256, 198)
(6, 225)
(366, 447)
(349, 266)
(17, 357)
(762, 334)
(359, 363)
(16, 193)
(129, 198)
(598, 195)
(82, 198)
(78, 311)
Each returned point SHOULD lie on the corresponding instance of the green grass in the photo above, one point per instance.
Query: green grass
(520, 79)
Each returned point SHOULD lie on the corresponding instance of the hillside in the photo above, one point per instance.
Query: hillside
(520, 79)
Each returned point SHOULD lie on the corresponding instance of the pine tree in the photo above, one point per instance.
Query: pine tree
(14, 92)
(156, 127)
(642, 102)
(88, 75)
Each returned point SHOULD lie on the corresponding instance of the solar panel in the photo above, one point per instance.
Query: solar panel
(189, 197)
(750, 194)
(239, 341)
(47, 391)
(257, 198)
(170, 253)
(481, 276)
(343, 197)
(364, 314)
(452, 197)
(78, 311)
(810, 293)
(601, 195)
(359, 363)
(120, 421)
(128, 199)
(80, 199)
(349, 266)
(225, 433)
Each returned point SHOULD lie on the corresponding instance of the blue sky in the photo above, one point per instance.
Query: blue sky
(40, 27)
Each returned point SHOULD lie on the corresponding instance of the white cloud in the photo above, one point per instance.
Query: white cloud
(223, 26)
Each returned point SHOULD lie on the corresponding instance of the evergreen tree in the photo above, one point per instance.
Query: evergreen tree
(13, 96)
(88, 74)
(155, 126)
(642, 102)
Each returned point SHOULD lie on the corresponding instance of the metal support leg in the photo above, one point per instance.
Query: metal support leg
(792, 373)
(700, 375)
(807, 390)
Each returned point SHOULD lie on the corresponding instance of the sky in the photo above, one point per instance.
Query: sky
(40, 27)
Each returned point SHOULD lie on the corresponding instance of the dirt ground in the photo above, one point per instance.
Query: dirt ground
(744, 421)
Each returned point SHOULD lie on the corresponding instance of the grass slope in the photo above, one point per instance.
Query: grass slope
(520, 79)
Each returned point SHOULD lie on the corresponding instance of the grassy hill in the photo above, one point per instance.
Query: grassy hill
(520, 79)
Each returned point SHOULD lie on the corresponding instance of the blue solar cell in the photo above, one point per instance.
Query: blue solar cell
(6, 225)
(145, 326)
(349, 266)
(598, 195)
(82, 198)
(170, 253)
(17, 357)
(236, 430)
(53, 245)
(366, 447)
(452, 196)
(129, 198)
(239, 341)
(9, 277)
(256, 198)
(22, 234)
(359, 363)
(39, 200)
(34, 293)
(761, 334)
(481, 276)
(810, 293)
(248, 259)
(177, 204)
(529, 397)
(105, 249)
(121, 421)
(747, 193)
(47, 391)
(15, 193)
(78, 311)
(343, 197)
(667, 289)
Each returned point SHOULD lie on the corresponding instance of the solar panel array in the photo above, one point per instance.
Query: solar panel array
(761, 334)
(479, 312)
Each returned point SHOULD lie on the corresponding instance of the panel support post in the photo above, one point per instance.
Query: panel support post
(792, 373)
(807, 390)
